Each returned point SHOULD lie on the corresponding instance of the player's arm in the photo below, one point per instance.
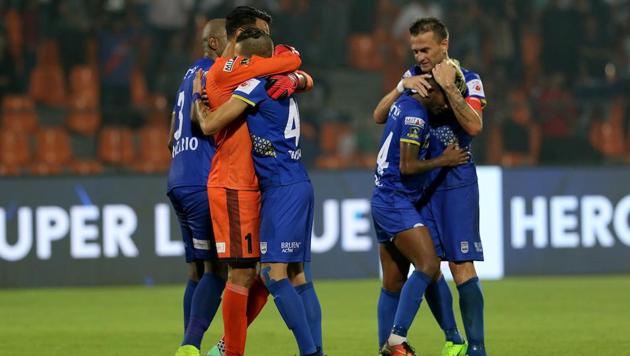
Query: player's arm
(467, 111)
(171, 139)
(410, 164)
(259, 67)
(418, 83)
(211, 122)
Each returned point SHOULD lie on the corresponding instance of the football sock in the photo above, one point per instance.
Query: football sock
(410, 298)
(313, 311)
(386, 310)
(235, 319)
(440, 300)
(257, 299)
(188, 295)
(205, 303)
(471, 305)
(292, 311)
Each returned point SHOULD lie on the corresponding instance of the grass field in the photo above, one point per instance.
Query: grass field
(524, 316)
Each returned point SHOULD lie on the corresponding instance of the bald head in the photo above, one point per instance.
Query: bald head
(214, 38)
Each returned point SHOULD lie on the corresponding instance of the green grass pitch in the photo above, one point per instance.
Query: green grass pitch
(524, 316)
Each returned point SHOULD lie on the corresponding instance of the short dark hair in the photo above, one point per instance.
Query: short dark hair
(255, 42)
(244, 16)
(429, 24)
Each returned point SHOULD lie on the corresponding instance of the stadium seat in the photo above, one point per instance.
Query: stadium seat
(48, 53)
(86, 167)
(158, 114)
(84, 86)
(363, 53)
(52, 152)
(116, 146)
(154, 156)
(83, 118)
(15, 152)
(18, 114)
(139, 90)
(13, 25)
(47, 85)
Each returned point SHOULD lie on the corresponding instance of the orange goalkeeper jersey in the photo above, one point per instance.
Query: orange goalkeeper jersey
(232, 164)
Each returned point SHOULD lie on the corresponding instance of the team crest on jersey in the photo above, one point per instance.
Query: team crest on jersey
(229, 65)
(263, 247)
(220, 247)
(415, 121)
(245, 61)
(414, 133)
(464, 247)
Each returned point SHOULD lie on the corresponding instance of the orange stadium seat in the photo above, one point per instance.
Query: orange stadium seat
(83, 118)
(363, 53)
(116, 146)
(84, 86)
(15, 152)
(18, 114)
(47, 85)
(154, 156)
(48, 53)
(139, 90)
(13, 23)
(158, 112)
(52, 152)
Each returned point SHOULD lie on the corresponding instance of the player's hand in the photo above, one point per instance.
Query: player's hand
(282, 48)
(197, 82)
(281, 86)
(454, 156)
(418, 83)
(444, 73)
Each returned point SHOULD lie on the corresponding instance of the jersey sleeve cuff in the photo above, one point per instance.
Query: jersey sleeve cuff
(410, 141)
(249, 102)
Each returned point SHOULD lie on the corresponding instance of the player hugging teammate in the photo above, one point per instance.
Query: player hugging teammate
(425, 203)
(252, 157)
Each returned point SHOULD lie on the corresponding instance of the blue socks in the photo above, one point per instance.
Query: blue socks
(387, 305)
(188, 295)
(410, 298)
(440, 301)
(204, 305)
(313, 311)
(292, 311)
(471, 305)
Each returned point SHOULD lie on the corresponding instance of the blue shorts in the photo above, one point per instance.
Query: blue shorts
(286, 223)
(452, 217)
(390, 221)
(193, 213)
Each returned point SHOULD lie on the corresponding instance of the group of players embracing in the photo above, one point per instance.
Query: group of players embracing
(243, 199)
(425, 202)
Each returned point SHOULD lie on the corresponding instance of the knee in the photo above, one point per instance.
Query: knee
(462, 271)
(242, 276)
(430, 267)
(393, 284)
(195, 270)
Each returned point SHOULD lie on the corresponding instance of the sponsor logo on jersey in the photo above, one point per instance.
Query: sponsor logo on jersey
(289, 246)
(415, 121)
(478, 247)
(394, 111)
(248, 86)
(229, 65)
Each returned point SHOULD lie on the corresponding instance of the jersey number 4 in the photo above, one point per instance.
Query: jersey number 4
(381, 159)
(293, 124)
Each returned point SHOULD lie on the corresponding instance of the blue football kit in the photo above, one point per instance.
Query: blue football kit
(395, 196)
(286, 211)
(188, 175)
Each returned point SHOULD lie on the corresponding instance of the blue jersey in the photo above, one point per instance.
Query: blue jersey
(274, 126)
(407, 122)
(192, 150)
(446, 130)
